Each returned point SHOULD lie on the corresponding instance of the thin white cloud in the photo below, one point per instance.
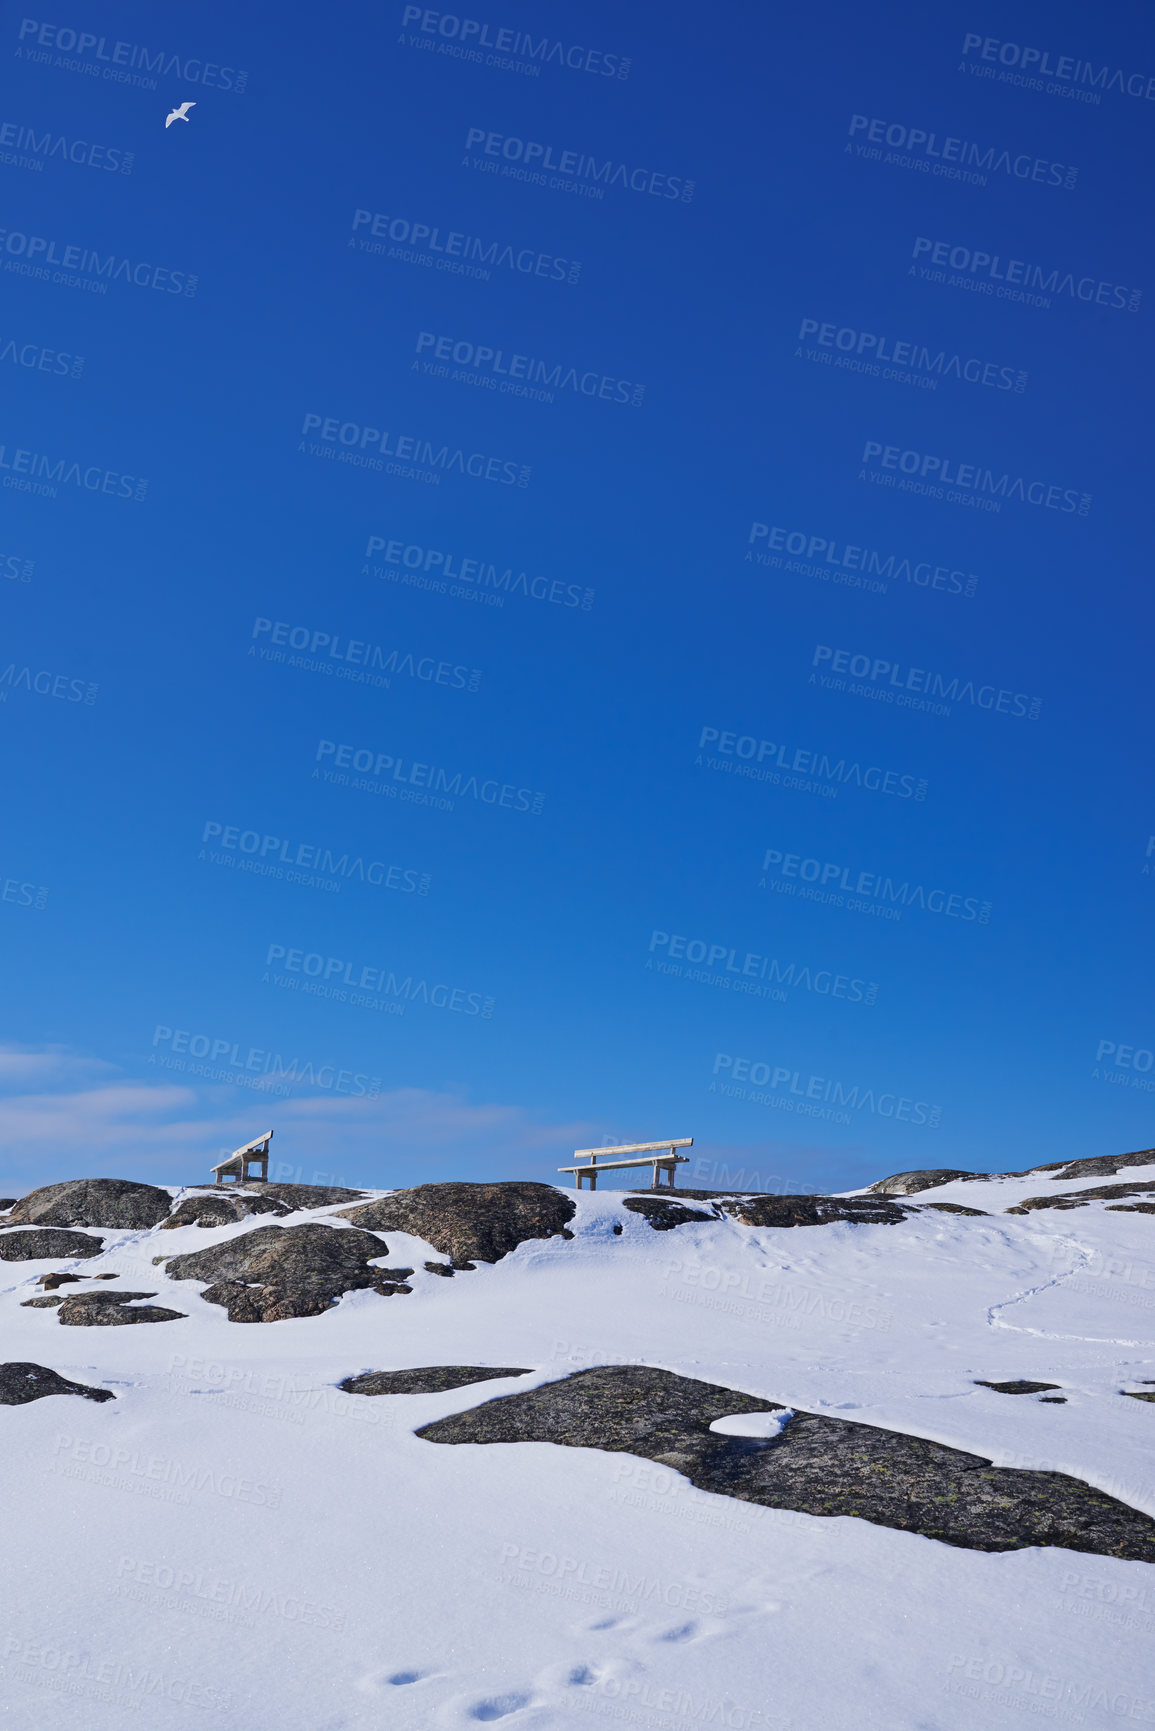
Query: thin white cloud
(56, 1121)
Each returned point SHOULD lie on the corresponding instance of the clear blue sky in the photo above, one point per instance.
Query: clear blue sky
(795, 353)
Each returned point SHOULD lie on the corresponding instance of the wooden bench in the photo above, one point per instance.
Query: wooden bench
(237, 1165)
(662, 1156)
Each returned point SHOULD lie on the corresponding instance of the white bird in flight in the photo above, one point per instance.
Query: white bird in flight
(180, 113)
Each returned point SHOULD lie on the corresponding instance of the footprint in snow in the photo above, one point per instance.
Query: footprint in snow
(497, 1707)
(377, 1681)
(683, 1632)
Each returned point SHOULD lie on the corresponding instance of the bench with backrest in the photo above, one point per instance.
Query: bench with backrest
(662, 1156)
(254, 1153)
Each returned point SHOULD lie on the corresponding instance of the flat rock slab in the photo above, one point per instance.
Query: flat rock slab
(1019, 1387)
(112, 1310)
(663, 1215)
(20, 1383)
(955, 1208)
(910, 1183)
(47, 1242)
(815, 1465)
(210, 1210)
(470, 1222)
(277, 1272)
(117, 1202)
(432, 1379)
(816, 1210)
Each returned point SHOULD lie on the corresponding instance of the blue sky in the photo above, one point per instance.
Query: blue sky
(620, 856)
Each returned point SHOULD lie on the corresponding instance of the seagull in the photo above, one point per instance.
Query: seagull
(180, 113)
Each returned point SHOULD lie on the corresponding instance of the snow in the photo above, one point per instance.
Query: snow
(755, 1424)
(235, 1542)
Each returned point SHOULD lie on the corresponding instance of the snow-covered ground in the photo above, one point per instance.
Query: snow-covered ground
(235, 1542)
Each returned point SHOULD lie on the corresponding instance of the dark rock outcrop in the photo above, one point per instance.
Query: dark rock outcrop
(431, 1379)
(815, 1465)
(7, 1202)
(120, 1203)
(276, 1272)
(20, 1383)
(50, 1281)
(910, 1183)
(1103, 1165)
(1081, 1198)
(294, 1196)
(221, 1209)
(445, 1269)
(956, 1208)
(662, 1214)
(33, 1246)
(112, 1310)
(41, 1303)
(1019, 1387)
(470, 1222)
(816, 1210)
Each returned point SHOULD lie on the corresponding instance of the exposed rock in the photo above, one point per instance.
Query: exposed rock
(1104, 1164)
(432, 1379)
(1080, 1198)
(815, 1210)
(50, 1281)
(956, 1208)
(680, 1193)
(815, 1465)
(112, 1310)
(1131, 1208)
(276, 1272)
(116, 1202)
(221, 1210)
(7, 1202)
(20, 1383)
(48, 1242)
(443, 1268)
(41, 1303)
(663, 1215)
(387, 1288)
(1019, 1387)
(1132, 1395)
(470, 1222)
(910, 1183)
(294, 1196)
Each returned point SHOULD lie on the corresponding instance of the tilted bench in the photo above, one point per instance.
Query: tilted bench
(254, 1153)
(662, 1156)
